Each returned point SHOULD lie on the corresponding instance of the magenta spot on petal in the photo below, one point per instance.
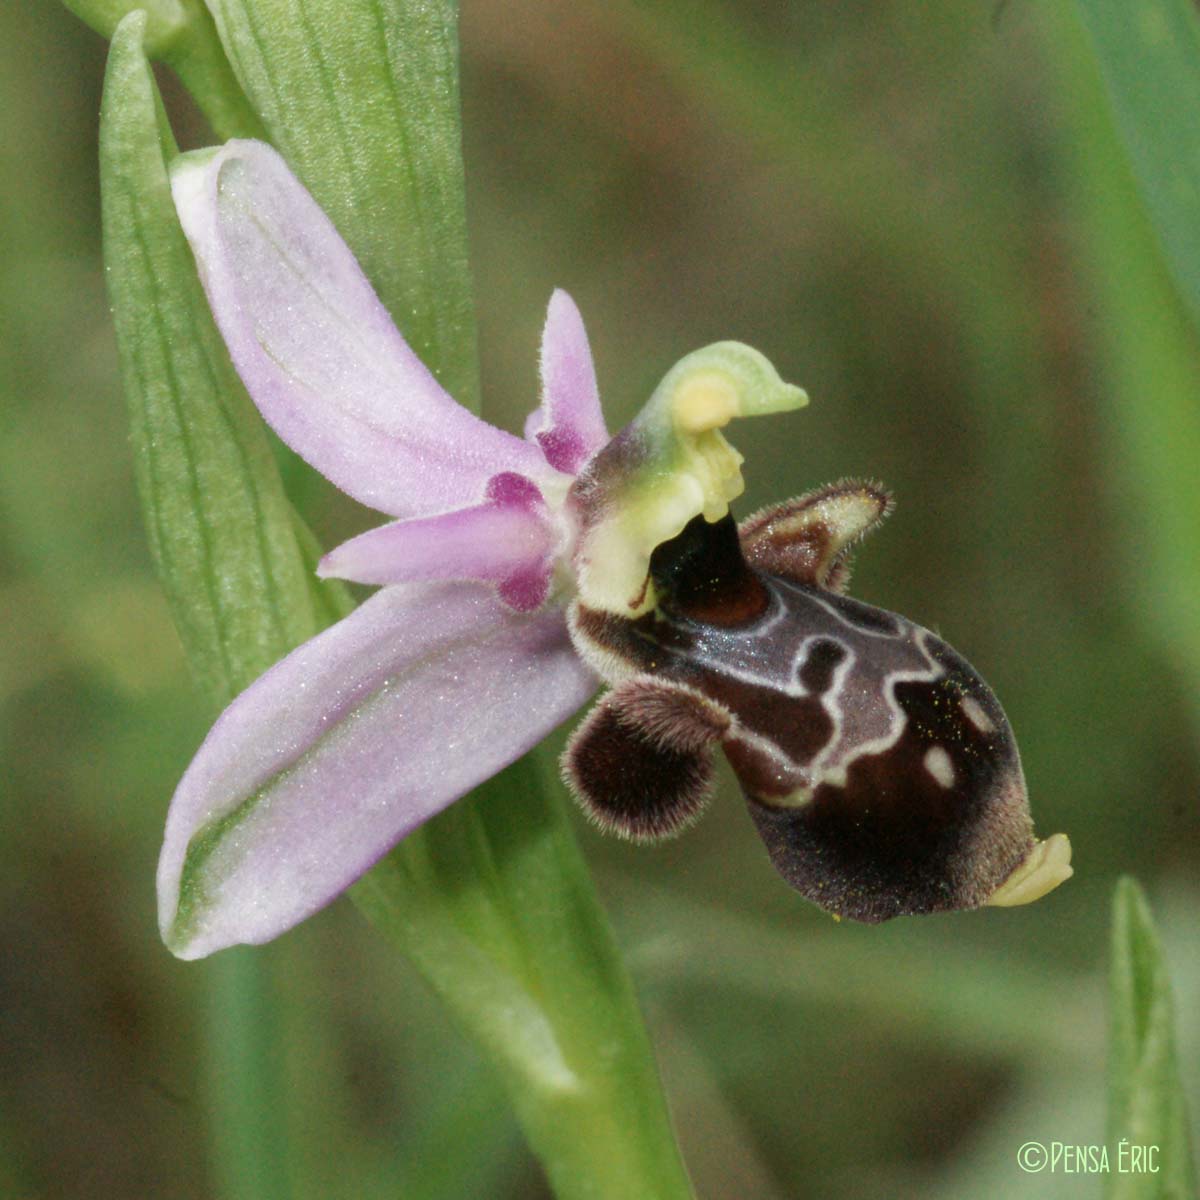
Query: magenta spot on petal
(525, 591)
(563, 449)
(510, 488)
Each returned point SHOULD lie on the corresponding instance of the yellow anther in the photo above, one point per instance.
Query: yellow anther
(671, 464)
(706, 400)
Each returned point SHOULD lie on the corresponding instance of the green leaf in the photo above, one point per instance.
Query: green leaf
(221, 531)
(361, 98)
(230, 552)
(1147, 344)
(1149, 56)
(1147, 1106)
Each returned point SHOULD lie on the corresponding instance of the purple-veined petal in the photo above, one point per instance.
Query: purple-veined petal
(316, 349)
(568, 424)
(349, 743)
(509, 541)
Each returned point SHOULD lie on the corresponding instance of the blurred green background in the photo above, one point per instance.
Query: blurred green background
(921, 214)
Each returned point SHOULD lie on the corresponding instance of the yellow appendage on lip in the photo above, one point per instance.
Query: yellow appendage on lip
(1046, 866)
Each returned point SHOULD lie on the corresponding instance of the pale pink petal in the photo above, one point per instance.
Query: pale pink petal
(509, 541)
(568, 424)
(316, 349)
(348, 744)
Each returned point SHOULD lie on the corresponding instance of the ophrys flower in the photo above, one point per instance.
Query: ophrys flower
(464, 659)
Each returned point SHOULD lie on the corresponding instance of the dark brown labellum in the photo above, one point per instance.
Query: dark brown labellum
(879, 768)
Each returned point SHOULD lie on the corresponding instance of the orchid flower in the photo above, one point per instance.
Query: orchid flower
(517, 574)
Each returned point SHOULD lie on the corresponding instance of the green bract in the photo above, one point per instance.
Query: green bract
(224, 537)
(361, 98)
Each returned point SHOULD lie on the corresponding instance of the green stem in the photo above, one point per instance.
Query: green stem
(199, 61)
(244, 1073)
(494, 904)
(182, 34)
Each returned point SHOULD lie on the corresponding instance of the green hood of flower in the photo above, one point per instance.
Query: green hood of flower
(670, 464)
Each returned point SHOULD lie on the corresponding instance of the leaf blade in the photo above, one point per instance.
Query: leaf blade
(221, 531)
(1147, 1105)
(1149, 57)
(387, 171)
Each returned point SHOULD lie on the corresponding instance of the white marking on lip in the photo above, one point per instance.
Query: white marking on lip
(974, 713)
(831, 702)
(832, 762)
(836, 769)
(897, 635)
(737, 732)
(797, 798)
(791, 686)
(937, 763)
